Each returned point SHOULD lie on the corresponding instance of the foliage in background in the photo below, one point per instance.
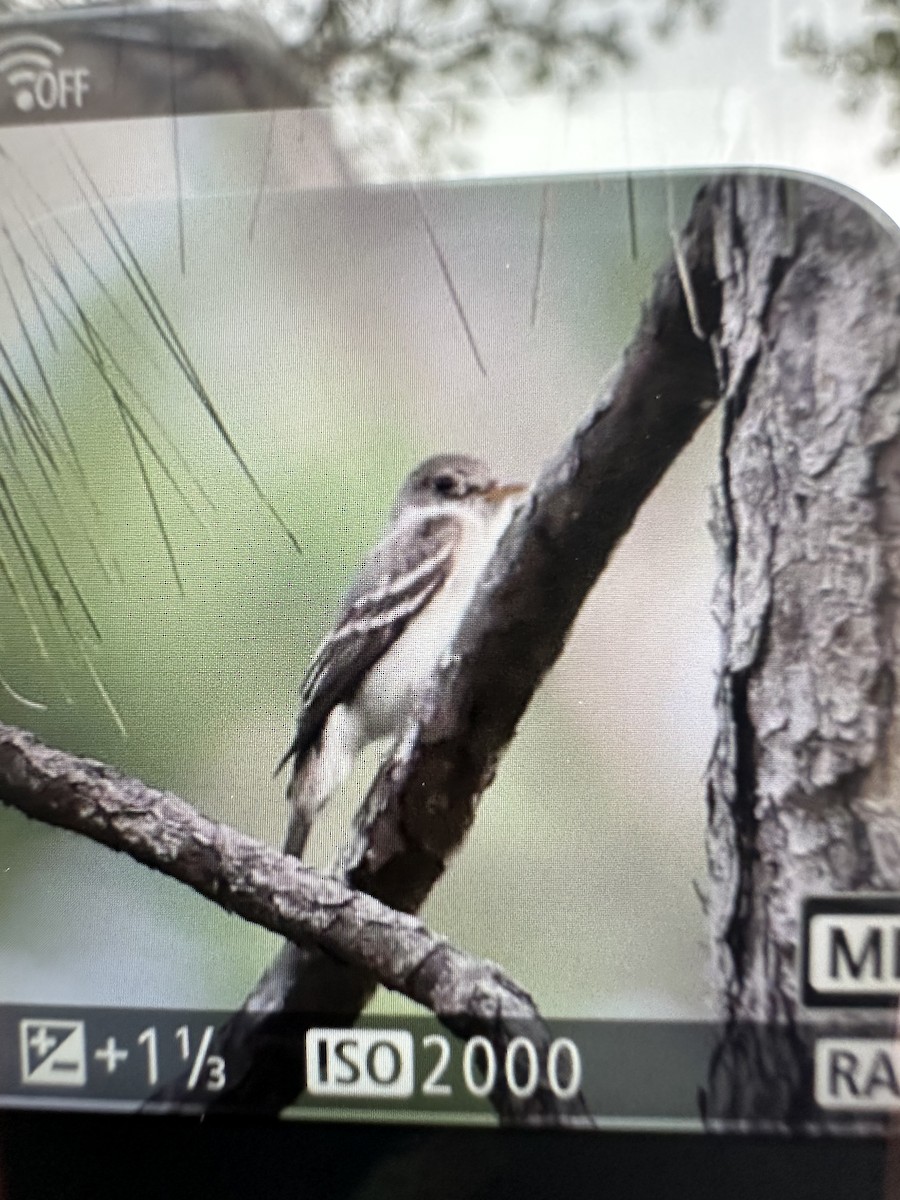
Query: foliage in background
(866, 66)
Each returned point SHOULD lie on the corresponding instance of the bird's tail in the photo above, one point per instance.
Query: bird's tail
(298, 830)
(317, 776)
(307, 795)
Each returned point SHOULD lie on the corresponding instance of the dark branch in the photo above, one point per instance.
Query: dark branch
(559, 541)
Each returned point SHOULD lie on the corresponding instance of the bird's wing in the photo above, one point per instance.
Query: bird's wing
(397, 579)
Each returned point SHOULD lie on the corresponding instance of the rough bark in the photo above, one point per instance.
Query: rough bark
(802, 786)
(246, 877)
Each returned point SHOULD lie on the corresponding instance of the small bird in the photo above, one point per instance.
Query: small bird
(394, 624)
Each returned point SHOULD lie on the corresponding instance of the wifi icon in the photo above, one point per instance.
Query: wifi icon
(29, 64)
(26, 61)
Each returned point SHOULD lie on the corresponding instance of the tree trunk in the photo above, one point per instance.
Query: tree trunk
(801, 785)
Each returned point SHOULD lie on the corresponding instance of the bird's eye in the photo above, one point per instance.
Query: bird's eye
(445, 484)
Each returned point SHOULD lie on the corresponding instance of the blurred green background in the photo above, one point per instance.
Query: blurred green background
(322, 325)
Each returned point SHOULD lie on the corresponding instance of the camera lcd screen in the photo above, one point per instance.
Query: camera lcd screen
(484, 508)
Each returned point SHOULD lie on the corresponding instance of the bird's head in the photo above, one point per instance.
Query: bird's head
(454, 478)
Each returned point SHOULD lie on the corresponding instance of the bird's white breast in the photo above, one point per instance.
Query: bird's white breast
(393, 686)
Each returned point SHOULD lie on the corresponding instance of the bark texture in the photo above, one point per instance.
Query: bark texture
(802, 786)
(246, 877)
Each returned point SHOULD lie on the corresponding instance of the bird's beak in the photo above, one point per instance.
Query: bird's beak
(500, 491)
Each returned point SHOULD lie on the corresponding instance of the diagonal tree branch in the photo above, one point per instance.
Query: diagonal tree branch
(246, 877)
